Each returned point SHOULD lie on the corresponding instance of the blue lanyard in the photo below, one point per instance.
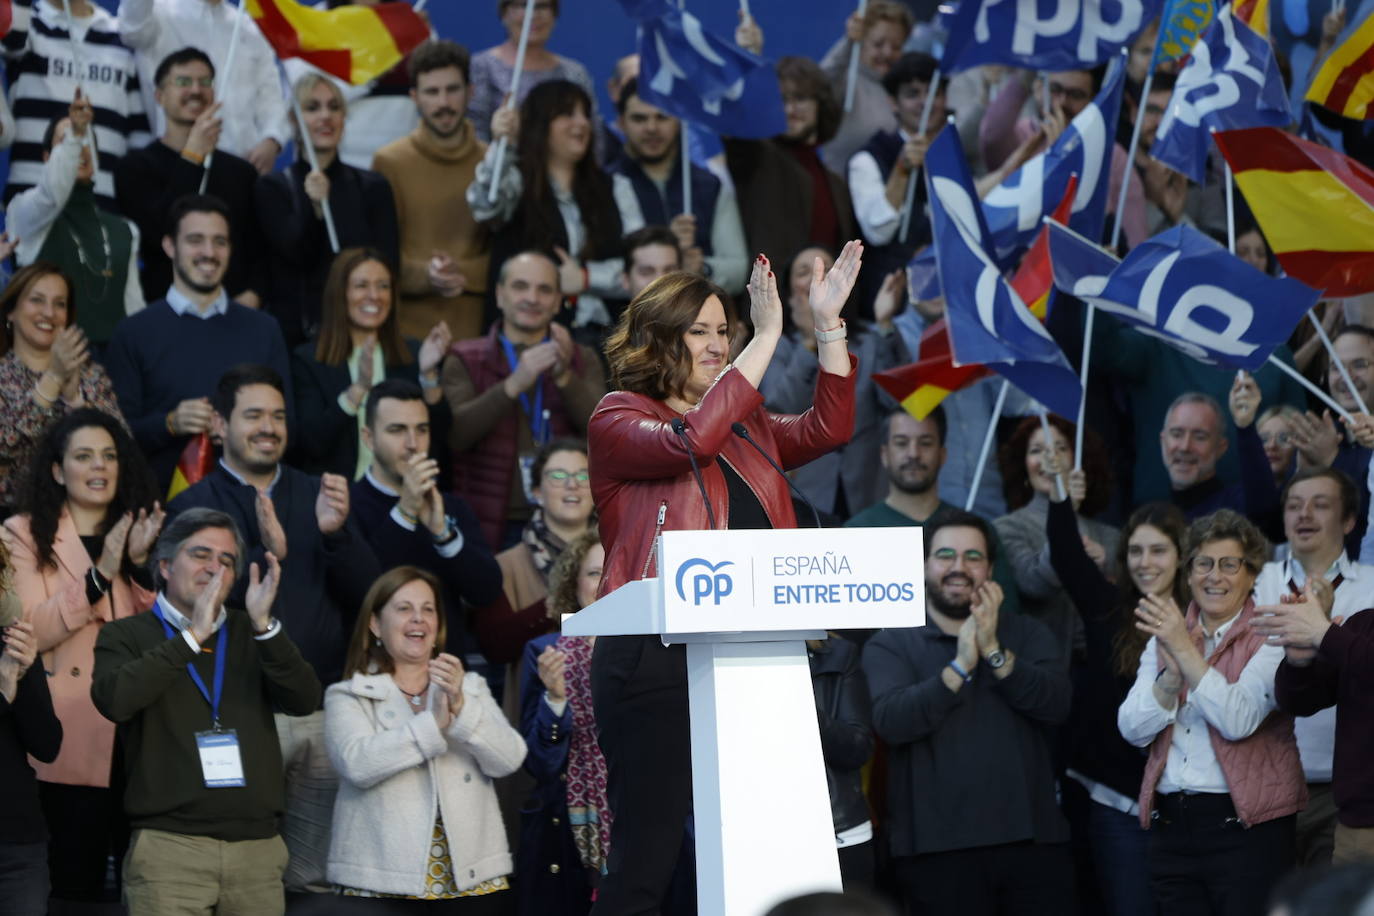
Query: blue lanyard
(220, 644)
(539, 423)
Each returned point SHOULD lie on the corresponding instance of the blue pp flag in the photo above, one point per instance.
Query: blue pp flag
(644, 10)
(1016, 207)
(1231, 81)
(1042, 34)
(988, 321)
(702, 78)
(1186, 290)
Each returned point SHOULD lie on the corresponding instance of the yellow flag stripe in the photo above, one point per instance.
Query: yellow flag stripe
(1307, 211)
(356, 29)
(1344, 55)
(923, 400)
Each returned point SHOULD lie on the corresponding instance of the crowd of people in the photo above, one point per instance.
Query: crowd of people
(303, 459)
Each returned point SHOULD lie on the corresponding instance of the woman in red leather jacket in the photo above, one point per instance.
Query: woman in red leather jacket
(679, 395)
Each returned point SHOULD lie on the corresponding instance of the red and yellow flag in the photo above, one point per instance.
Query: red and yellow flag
(1315, 206)
(1254, 13)
(1345, 82)
(354, 43)
(197, 459)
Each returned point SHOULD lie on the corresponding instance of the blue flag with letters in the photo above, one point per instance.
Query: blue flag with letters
(988, 322)
(1231, 81)
(1042, 34)
(1016, 207)
(1186, 290)
(702, 78)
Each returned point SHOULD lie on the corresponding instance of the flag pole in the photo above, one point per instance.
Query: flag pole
(1230, 211)
(500, 154)
(1130, 160)
(987, 447)
(314, 167)
(686, 168)
(1306, 383)
(1336, 360)
(420, 5)
(910, 202)
(1049, 449)
(223, 82)
(853, 76)
(89, 139)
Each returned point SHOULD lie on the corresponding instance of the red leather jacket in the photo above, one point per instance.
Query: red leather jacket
(642, 481)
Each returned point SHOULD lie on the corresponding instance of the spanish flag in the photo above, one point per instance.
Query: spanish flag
(1254, 13)
(1315, 206)
(197, 459)
(1345, 83)
(354, 43)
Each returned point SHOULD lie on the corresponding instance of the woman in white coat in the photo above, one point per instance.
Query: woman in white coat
(416, 743)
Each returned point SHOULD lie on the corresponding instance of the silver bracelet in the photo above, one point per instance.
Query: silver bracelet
(836, 333)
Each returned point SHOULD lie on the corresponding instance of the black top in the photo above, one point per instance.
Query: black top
(745, 509)
(27, 726)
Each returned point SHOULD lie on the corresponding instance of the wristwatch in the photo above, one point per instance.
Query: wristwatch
(995, 659)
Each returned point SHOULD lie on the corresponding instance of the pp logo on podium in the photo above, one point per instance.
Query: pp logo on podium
(709, 583)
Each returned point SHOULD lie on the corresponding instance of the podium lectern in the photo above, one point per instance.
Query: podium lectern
(744, 602)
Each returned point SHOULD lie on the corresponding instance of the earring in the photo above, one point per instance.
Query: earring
(377, 641)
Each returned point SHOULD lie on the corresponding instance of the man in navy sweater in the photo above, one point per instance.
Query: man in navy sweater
(165, 360)
(327, 569)
(405, 517)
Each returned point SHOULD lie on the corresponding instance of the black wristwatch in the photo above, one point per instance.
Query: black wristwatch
(995, 659)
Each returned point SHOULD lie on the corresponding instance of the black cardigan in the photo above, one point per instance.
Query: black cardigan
(27, 726)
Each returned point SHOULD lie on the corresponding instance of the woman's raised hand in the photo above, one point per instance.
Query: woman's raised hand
(765, 308)
(830, 291)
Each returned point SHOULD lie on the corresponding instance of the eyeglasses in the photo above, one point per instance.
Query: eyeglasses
(949, 555)
(186, 82)
(581, 478)
(1359, 365)
(1228, 565)
(1276, 438)
(1073, 95)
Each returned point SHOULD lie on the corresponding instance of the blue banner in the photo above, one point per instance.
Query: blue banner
(1042, 34)
(1188, 291)
(707, 80)
(1231, 81)
(988, 322)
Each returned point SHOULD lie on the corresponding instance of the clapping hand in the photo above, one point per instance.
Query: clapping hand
(21, 648)
(1161, 618)
(112, 551)
(891, 295)
(331, 506)
(830, 289)
(208, 604)
(420, 496)
(552, 669)
(984, 610)
(270, 531)
(435, 348)
(446, 674)
(765, 307)
(262, 592)
(144, 533)
(445, 277)
(1316, 438)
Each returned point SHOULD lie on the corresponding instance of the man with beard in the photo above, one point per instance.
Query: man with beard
(966, 705)
(443, 249)
(165, 360)
(149, 180)
(327, 567)
(912, 453)
(710, 235)
(1194, 439)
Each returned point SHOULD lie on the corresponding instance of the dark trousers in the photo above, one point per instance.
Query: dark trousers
(24, 878)
(639, 693)
(500, 903)
(857, 866)
(1203, 862)
(1013, 879)
(86, 826)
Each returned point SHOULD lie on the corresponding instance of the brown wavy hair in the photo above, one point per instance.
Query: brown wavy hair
(1011, 457)
(335, 342)
(19, 286)
(563, 575)
(809, 80)
(646, 352)
(369, 656)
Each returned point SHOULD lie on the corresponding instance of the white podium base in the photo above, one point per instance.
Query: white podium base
(762, 809)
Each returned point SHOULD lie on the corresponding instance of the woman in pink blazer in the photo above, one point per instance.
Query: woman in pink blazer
(79, 551)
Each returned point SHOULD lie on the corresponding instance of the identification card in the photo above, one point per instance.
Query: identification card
(219, 758)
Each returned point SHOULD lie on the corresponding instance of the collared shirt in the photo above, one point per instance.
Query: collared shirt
(239, 477)
(1235, 710)
(184, 306)
(182, 624)
(446, 549)
(1316, 733)
(878, 219)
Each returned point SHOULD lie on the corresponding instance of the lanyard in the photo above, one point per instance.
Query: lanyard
(539, 422)
(220, 645)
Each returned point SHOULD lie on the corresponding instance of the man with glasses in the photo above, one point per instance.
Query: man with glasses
(205, 790)
(965, 705)
(149, 180)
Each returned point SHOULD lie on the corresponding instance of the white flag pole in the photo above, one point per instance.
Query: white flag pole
(1083, 384)
(1336, 360)
(222, 84)
(910, 202)
(851, 81)
(420, 5)
(80, 68)
(686, 168)
(314, 167)
(983, 453)
(1130, 162)
(744, 8)
(1049, 449)
(500, 153)
(1306, 383)
(1230, 211)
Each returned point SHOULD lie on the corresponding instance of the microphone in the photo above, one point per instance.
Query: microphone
(680, 428)
(739, 430)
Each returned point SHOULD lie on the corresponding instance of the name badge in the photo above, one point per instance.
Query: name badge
(219, 758)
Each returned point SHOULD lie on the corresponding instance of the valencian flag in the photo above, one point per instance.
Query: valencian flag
(1179, 27)
(1345, 82)
(197, 459)
(354, 43)
(1315, 206)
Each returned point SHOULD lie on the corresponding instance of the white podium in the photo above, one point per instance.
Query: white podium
(744, 602)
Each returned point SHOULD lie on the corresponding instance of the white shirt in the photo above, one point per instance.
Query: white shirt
(182, 624)
(1316, 733)
(878, 219)
(1234, 710)
(184, 306)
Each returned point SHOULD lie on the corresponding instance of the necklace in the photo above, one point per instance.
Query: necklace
(106, 272)
(416, 699)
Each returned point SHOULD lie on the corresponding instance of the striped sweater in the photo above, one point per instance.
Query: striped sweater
(43, 76)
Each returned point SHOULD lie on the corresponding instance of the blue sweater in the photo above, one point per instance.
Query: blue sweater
(157, 359)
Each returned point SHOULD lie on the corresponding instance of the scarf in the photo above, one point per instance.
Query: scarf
(589, 814)
(544, 546)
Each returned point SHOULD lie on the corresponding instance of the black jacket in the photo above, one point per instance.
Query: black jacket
(27, 726)
(845, 716)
